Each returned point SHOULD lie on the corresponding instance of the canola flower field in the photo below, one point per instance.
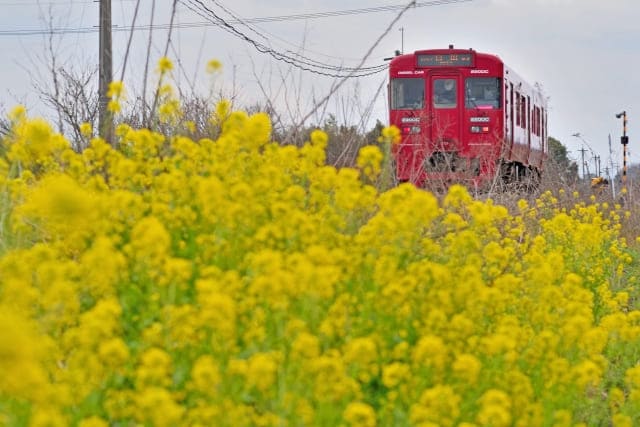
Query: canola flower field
(239, 282)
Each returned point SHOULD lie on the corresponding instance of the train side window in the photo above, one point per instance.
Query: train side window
(482, 92)
(538, 126)
(407, 94)
(518, 109)
(445, 93)
(544, 126)
(523, 112)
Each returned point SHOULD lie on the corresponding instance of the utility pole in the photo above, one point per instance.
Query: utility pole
(105, 74)
(582, 151)
(624, 140)
(612, 177)
(402, 40)
(588, 171)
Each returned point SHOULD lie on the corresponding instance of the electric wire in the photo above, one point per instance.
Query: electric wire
(260, 34)
(373, 46)
(50, 3)
(199, 8)
(317, 15)
(302, 58)
(346, 12)
(292, 58)
(297, 60)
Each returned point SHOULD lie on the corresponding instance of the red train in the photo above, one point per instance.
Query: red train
(465, 117)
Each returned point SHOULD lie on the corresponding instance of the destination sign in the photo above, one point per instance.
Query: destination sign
(445, 60)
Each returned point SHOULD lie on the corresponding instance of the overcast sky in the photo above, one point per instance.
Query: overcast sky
(585, 53)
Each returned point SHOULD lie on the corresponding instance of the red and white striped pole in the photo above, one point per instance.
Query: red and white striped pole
(624, 140)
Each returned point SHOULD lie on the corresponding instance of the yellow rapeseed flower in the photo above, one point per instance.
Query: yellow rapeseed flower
(369, 161)
(113, 352)
(495, 409)
(222, 111)
(587, 373)
(18, 113)
(213, 66)
(621, 420)
(358, 414)
(305, 346)
(467, 368)
(164, 65)
(169, 111)
(114, 106)
(22, 358)
(116, 90)
(148, 401)
(237, 282)
(86, 130)
(390, 134)
(439, 405)
(394, 373)
(319, 138)
(262, 371)
(154, 369)
(93, 421)
(205, 375)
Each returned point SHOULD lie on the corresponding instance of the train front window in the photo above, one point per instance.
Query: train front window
(482, 92)
(407, 94)
(445, 93)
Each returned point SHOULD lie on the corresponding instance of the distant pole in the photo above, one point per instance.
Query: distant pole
(582, 151)
(624, 140)
(586, 164)
(612, 177)
(105, 74)
(402, 40)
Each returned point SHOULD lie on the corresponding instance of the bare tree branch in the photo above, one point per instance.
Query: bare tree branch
(146, 65)
(364, 59)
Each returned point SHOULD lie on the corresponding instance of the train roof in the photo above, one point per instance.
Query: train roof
(408, 60)
(402, 58)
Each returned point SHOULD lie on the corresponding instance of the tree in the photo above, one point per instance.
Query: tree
(559, 165)
(373, 135)
(73, 99)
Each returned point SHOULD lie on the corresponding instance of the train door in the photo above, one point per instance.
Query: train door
(446, 111)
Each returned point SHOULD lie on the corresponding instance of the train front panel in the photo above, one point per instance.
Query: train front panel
(449, 107)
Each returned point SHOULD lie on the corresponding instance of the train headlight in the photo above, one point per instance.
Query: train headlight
(479, 129)
(410, 130)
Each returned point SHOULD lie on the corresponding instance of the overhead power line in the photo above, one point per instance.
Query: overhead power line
(298, 56)
(316, 15)
(230, 25)
(335, 88)
(49, 3)
(298, 61)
